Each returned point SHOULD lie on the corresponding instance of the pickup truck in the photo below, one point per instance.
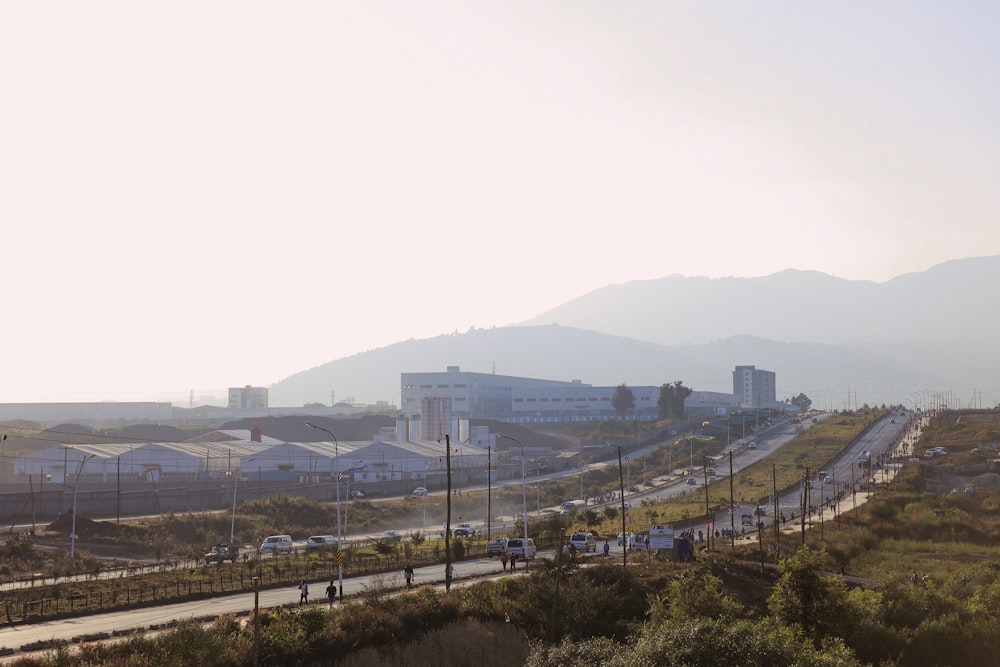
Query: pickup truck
(220, 553)
(496, 546)
(465, 530)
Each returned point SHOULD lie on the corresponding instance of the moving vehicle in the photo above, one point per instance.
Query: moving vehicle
(420, 491)
(465, 530)
(496, 546)
(638, 542)
(220, 553)
(691, 481)
(583, 542)
(390, 537)
(321, 542)
(572, 505)
(516, 545)
(276, 544)
(753, 445)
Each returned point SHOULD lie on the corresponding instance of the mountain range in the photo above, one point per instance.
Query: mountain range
(841, 342)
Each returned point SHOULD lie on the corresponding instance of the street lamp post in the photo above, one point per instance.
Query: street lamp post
(236, 479)
(76, 486)
(358, 466)
(524, 497)
(336, 477)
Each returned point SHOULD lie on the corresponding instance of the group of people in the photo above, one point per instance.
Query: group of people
(331, 592)
(506, 558)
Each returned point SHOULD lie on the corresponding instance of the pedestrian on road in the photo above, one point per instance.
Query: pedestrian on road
(408, 574)
(607, 548)
(513, 562)
(331, 593)
(503, 561)
(303, 593)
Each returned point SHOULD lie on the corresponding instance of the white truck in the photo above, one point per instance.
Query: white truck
(465, 530)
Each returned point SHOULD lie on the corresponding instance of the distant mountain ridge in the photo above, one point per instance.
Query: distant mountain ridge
(792, 305)
(821, 335)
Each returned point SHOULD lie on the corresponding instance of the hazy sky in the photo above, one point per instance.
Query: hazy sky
(198, 195)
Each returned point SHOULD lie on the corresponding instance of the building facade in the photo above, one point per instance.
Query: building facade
(248, 398)
(753, 387)
(439, 398)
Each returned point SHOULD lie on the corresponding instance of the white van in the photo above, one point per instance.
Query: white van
(638, 542)
(276, 544)
(515, 545)
(583, 542)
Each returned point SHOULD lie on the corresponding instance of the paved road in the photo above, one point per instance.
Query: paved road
(120, 622)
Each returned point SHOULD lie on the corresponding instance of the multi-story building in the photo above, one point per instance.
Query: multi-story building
(753, 387)
(248, 398)
(438, 398)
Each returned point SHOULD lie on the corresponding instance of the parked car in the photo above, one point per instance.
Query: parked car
(321, 542)
(276, 544)
(420, 491)
(583, 542)
(496, 546)
(760, 510)
(390, 537)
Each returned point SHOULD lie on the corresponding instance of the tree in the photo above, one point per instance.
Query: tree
(622, 400)
(671, 401)
(802, 402)
(808, 598)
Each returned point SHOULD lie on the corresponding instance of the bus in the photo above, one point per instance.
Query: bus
(572, 505)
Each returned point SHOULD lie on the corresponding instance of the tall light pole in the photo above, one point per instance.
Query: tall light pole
(236, 479)
(336, 478)
(524, 497)
(76, 486)
(359, 465)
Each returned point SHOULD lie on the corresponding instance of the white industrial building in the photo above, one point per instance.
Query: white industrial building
(389, 457)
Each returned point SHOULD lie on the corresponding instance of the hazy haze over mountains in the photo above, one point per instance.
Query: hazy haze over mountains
(825, 336)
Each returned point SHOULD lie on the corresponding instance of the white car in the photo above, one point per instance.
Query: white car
(276, 544)
(390, 537)
(321, 542)
(420, 491)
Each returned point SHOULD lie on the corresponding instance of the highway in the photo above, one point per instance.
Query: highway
(882, 436)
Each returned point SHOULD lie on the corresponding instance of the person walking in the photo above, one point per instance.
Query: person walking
(303, 593)
(331, 593)
(607, 548)
(513, 562)
(408, 575)
(503, 561)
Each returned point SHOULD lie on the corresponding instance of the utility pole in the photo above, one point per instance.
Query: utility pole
(621, 486)
(447, 525)
(489, 489)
